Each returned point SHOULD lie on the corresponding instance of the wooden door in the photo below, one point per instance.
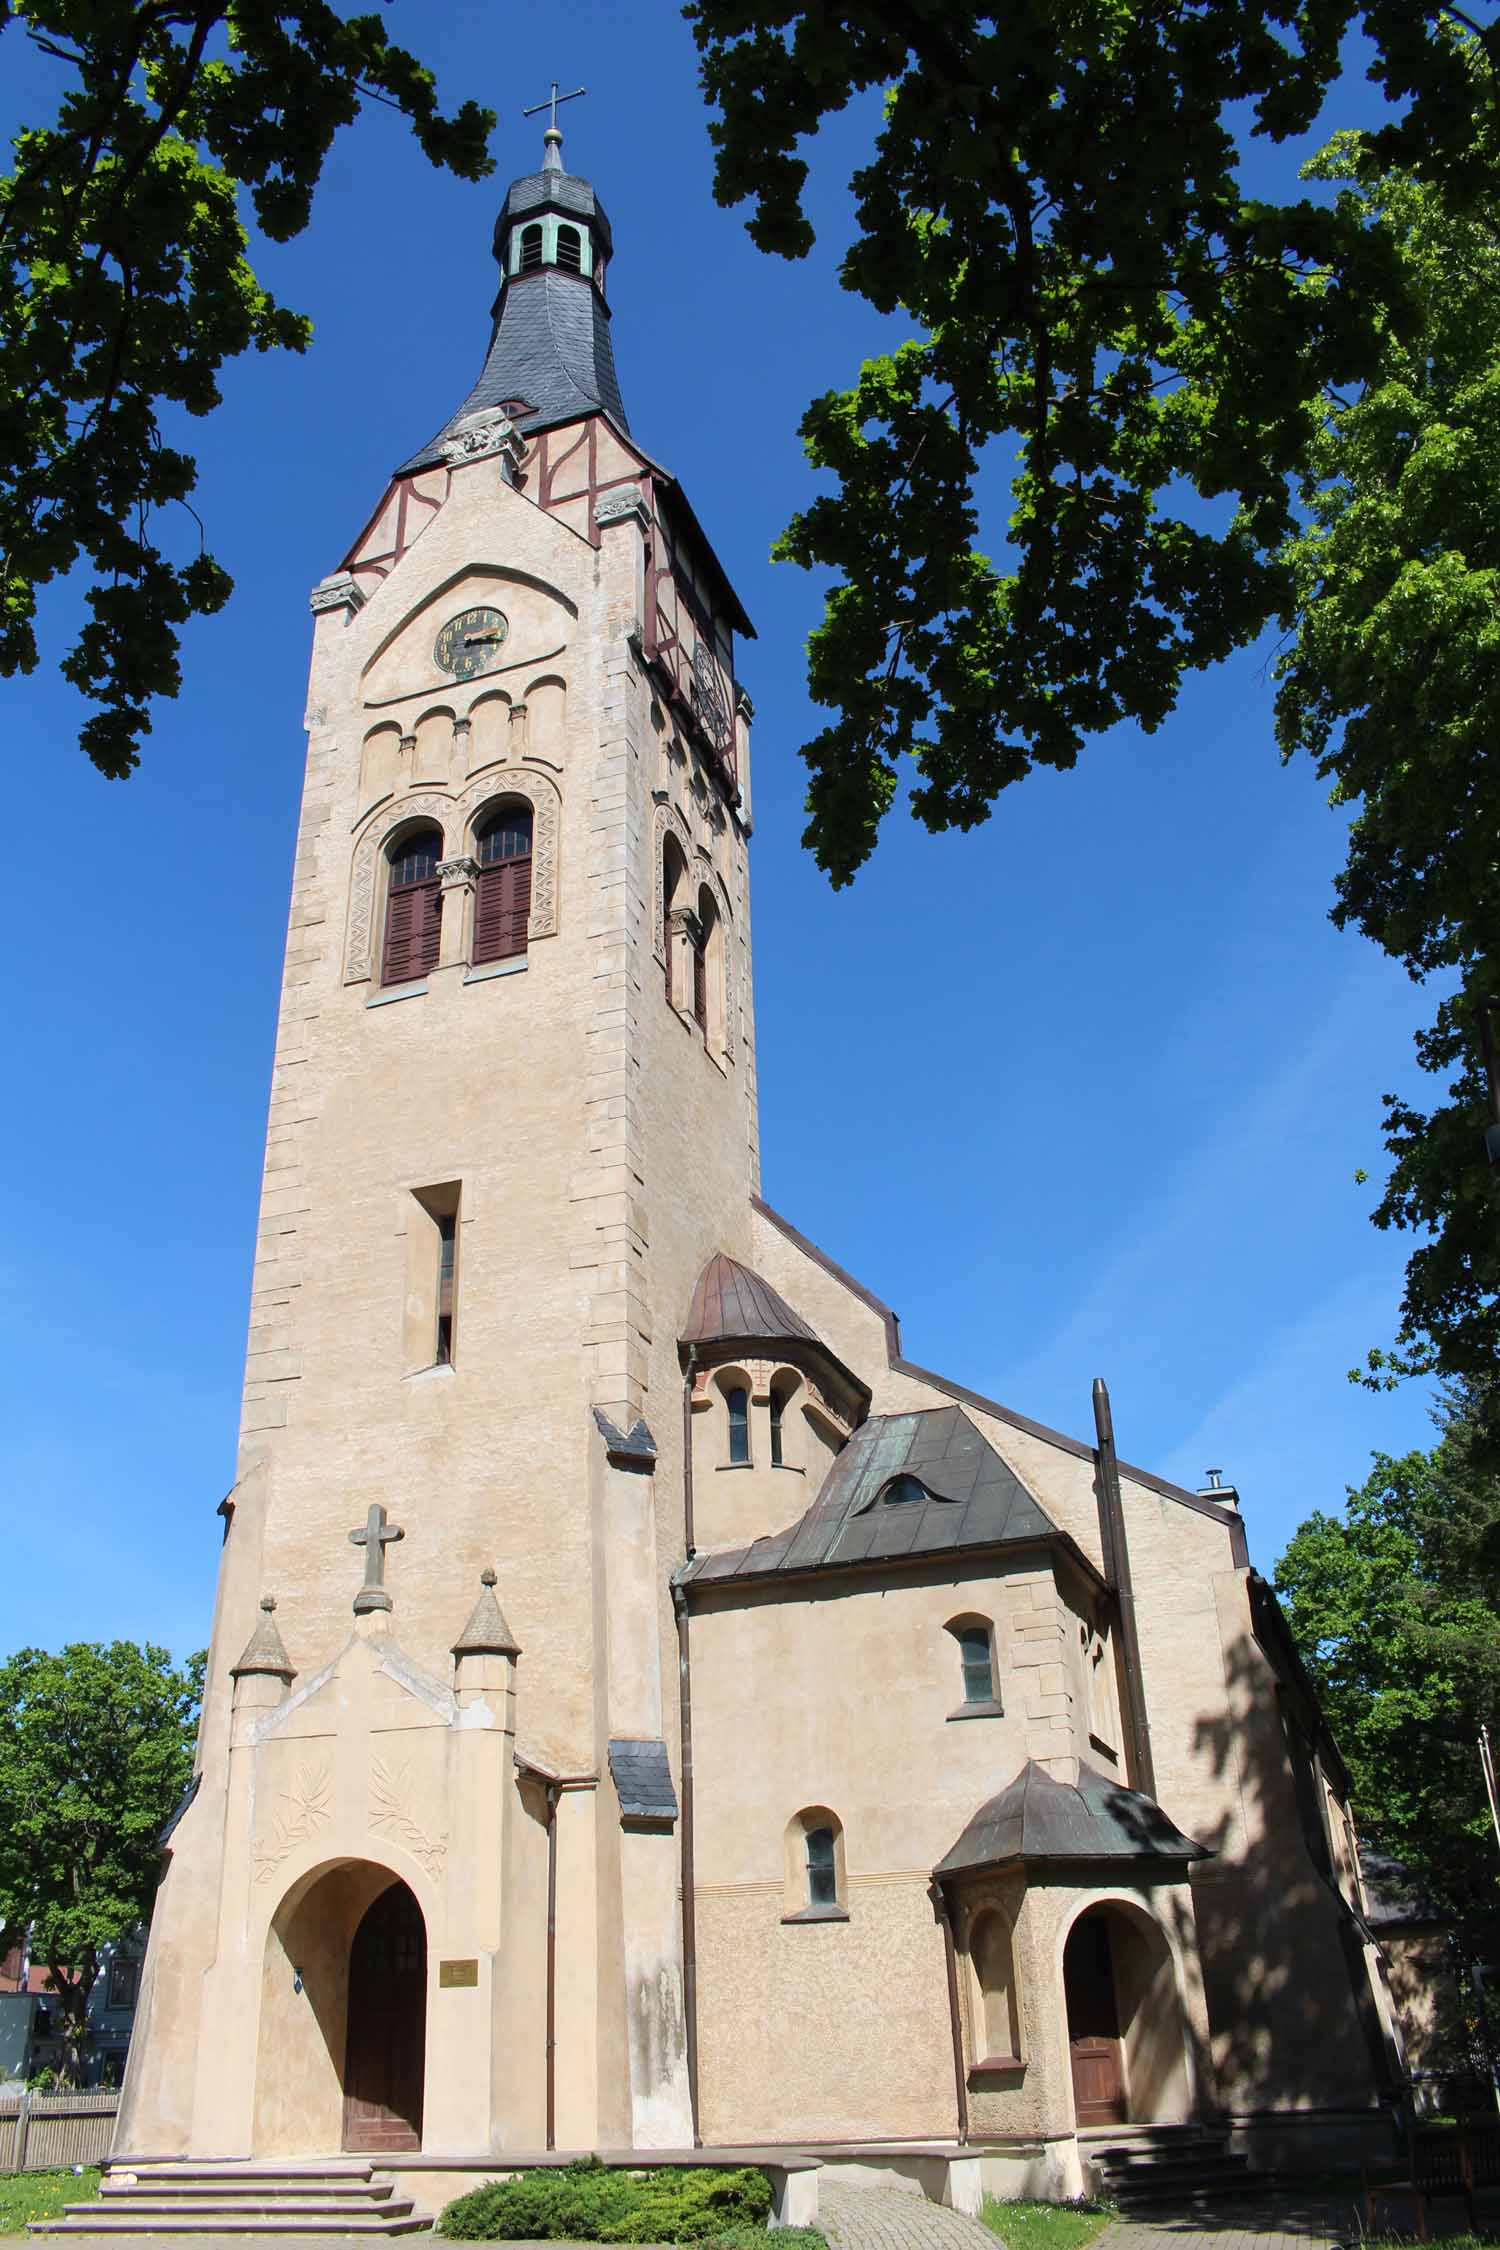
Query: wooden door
(1093, 2024)
(385, 2049)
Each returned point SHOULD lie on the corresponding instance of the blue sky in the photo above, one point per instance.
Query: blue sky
(1092, 1082)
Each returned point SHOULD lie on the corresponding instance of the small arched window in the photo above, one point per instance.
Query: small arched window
(822, 1874)
(531, 248)
(502, 895)
(816, 1887)
(737, 1399)
(778, 1411)
(413, 907)
(978, 1663)
(569, 250)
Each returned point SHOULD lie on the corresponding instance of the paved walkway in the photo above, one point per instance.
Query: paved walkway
(1286, 2220)
(888, 2218)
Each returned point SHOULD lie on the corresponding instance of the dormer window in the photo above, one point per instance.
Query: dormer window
(901, 1491)
(531, 248)
(569, 250)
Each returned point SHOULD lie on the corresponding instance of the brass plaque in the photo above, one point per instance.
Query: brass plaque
(451, 1973)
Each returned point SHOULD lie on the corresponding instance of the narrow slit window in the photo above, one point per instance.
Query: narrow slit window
(822, 1874)
(447, 1227)
(777, 1406)
(738, 1402)
(978, 1663)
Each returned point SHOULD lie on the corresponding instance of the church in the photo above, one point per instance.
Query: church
(646, 1711)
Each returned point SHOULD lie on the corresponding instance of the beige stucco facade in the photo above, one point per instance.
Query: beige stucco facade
(587, 1123)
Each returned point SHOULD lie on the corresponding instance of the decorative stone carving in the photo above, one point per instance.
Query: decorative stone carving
(667, 818)
(627, 501)
(299, 1813)
(408, 744)
(359, 939)
(461, 729)
(479, 436)
(390, 1788)
(341, 591)
(453, 874)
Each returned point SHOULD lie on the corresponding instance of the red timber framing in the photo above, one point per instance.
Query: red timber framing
(692, 611)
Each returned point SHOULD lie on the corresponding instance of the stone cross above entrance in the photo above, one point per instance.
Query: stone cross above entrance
(374, 1535)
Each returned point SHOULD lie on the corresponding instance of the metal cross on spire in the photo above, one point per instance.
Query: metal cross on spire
(551, 104)
(374, 1535)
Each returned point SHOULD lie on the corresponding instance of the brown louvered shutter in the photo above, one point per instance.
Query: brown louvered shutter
(700, 984)
(413, 929)
(502, 909)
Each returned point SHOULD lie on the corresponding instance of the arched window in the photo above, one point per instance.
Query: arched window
(997, 2030)
(502, 895)
(816, 1888)
(737, 1399)
(976, 1655)
(673, 894)
(822, 1875)
(979, 1666)
(569, 250)
(706, 957)
(778, 1411)
(531, 248)
(413, 906)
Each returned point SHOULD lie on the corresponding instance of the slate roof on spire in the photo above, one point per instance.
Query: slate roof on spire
(1040, 1818)
(730, 1301)
(550, 344)
(952, 1491)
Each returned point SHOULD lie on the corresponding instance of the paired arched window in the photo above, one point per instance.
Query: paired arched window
(673, 894)
(707, 962)
(569, 250)
(975, 1638)
(531, 248)
(816, 1884)
(778, 1434)
(413, 906)
(502, 893)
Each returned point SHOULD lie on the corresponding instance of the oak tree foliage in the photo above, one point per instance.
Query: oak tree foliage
(96, 1749)
(1395, 1605)
(126, 284)
(1216, 411)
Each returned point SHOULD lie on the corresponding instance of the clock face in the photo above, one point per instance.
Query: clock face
(708, 698)
(469, 644)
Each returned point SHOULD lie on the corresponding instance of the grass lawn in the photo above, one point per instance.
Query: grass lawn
(41, 2195)
(1045, 2226)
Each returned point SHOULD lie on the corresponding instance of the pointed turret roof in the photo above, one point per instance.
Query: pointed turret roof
(486, 1633)
(550, 357)
(264, 1652)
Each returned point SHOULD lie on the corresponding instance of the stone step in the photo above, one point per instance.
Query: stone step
(301, 2206)
(87, 2219)
(357, 2168)
(1189, 2195)
(1165, 2165)
(347, 2190)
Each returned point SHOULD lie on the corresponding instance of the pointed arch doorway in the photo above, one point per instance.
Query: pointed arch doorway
(385, 2046)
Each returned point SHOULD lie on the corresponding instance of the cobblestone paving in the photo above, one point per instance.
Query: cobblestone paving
(888, 2218)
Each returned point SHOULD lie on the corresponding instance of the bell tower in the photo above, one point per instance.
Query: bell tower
(512, 1114)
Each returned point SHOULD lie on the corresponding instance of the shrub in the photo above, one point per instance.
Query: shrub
(591, 2202)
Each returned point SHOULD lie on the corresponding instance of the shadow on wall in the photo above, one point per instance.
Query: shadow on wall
(1287, 1967)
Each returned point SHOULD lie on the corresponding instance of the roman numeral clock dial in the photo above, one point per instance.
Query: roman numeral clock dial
(469, 643)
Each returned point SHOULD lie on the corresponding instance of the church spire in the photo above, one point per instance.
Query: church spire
(550, 358)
